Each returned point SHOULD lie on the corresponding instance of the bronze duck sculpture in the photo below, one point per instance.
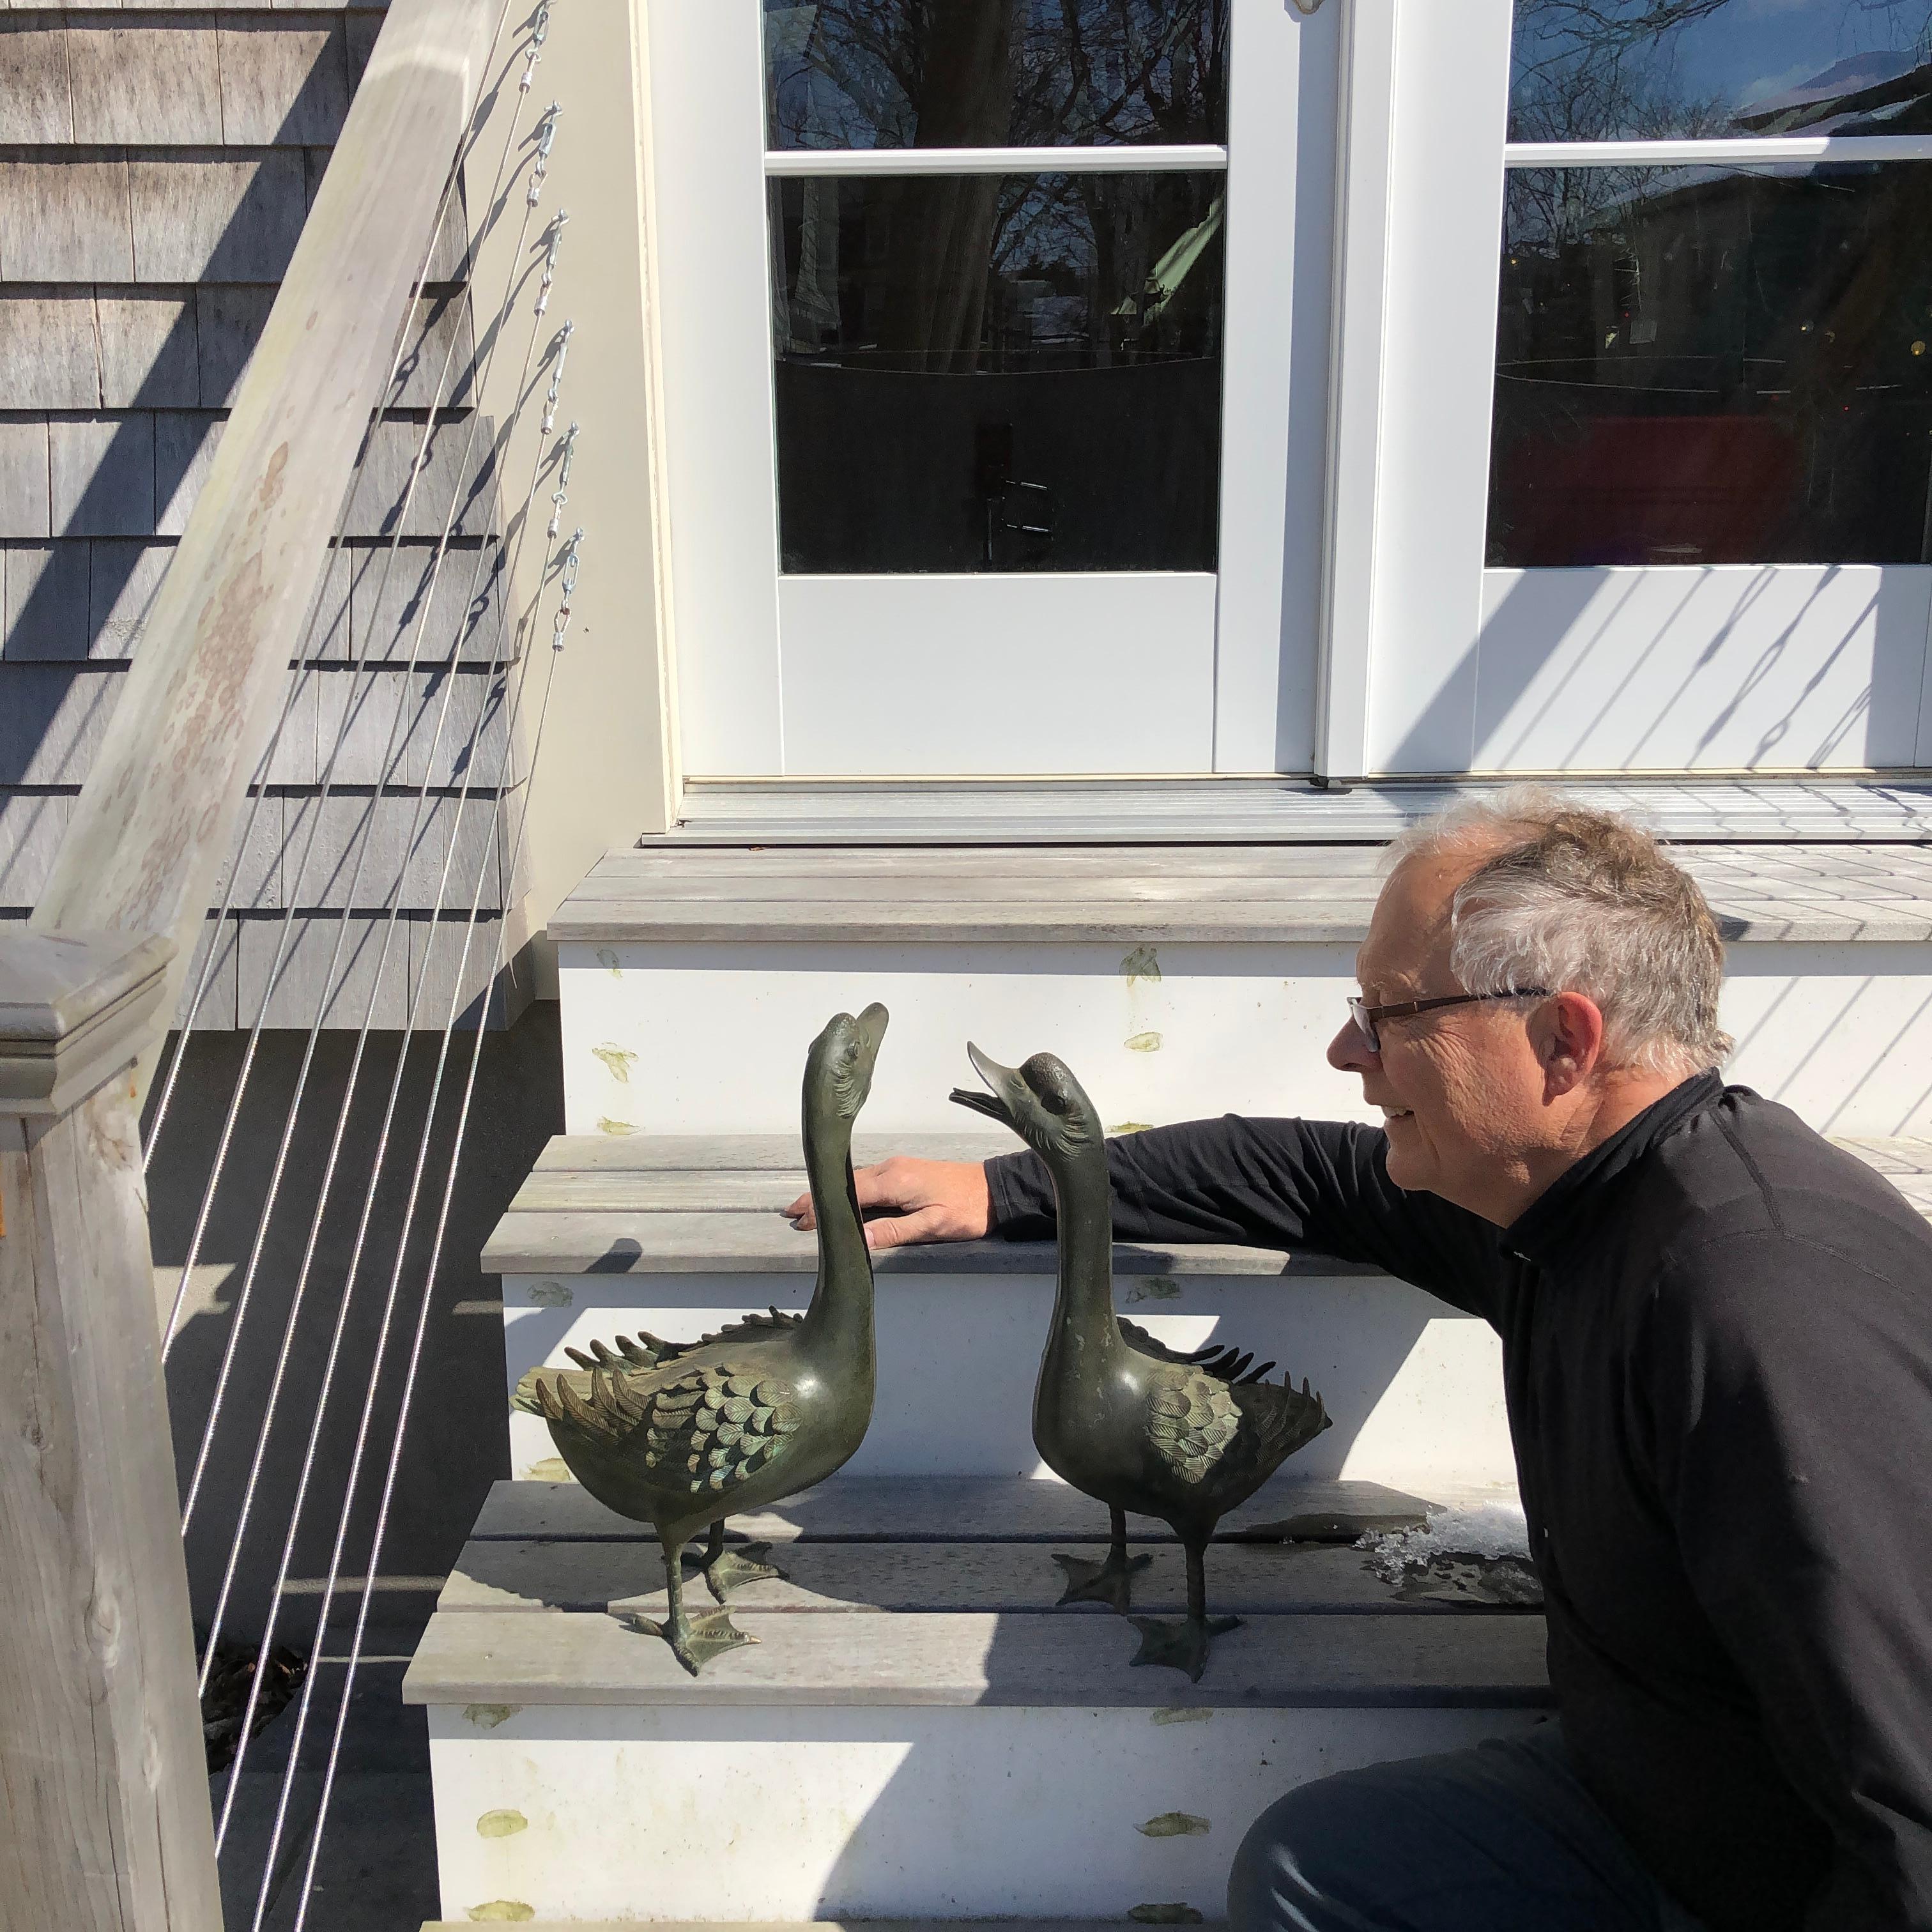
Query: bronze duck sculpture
(1138, 1425)
(679, 1435)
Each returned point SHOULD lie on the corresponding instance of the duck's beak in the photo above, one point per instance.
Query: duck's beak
(871, 1026)
(1005, 1083)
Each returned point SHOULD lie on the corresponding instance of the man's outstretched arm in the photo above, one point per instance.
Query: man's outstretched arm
(1317, 1186)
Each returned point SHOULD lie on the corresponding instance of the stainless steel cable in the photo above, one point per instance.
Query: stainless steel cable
(333, 1578)
(326, 786)
(522, 528)
(361, 848)
(316, 821)
(342, 1117)
(560, 629)
(305, 668)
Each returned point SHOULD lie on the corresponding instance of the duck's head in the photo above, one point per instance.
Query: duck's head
(1042, 1102)
(838, 1068)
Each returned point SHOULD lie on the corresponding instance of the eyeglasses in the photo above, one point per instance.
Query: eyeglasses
(1368, 1019)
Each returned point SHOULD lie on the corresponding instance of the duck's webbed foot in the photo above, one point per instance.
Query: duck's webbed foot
(725, 1570)
(695, 1641)
(1110, 1581)
(1183, 1645)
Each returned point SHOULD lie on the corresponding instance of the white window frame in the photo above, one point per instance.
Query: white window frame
(1411, 615)
(1165, 672)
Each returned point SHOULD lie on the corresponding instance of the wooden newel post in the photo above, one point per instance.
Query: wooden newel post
(104, 1814)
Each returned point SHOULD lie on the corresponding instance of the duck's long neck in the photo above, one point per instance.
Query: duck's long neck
(841, 1314)
(1084, 1309)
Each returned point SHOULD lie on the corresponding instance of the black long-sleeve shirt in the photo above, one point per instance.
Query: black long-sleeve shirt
(1717, 1333)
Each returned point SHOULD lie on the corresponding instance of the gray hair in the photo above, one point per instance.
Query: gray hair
(1581, 901)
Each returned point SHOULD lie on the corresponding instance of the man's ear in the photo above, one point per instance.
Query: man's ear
(1568, 1032)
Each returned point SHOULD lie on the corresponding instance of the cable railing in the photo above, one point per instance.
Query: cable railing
(100, 1684)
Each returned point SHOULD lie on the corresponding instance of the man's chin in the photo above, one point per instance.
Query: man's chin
(1407, 1159)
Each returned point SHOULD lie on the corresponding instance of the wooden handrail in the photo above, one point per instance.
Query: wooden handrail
(152, 827)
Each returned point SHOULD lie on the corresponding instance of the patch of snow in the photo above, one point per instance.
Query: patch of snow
(1485, 1529)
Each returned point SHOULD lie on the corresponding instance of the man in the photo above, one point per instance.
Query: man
(1717, 1333)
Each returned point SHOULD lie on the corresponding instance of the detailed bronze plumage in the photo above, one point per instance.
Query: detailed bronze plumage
(678, 1434)
(1183, 1438)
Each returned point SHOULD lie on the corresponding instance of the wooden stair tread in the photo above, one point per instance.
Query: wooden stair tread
(927, 1578)
(920, 1509)
(484, 1657)
(1161, 894)
(671, 1204)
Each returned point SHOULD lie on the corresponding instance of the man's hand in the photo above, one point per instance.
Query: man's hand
(931, 1201)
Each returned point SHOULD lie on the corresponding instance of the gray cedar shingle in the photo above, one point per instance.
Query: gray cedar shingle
(52, 717)
(148, 350)
(65, 217)
(216, 1012)
(458, 468)
(230, 323)
(34, 100)
(24, 509)
(439, 949)
(291, 760)
(45, 591)
(102, 471)
(283, 83)
(325, 636)
(437, 370)
(124, 576)
(48, 352)
(32, 825)
(208, 216)
(185, 441)
(309, 961)
(145, 81)
(365, 841)
(462, 595)
(478, 858)
(471, 745)
(359, 727)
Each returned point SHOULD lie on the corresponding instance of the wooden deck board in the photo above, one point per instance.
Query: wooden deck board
(1010, 1578)
(1272, 1662)
(926, 1509)
(1177, 894)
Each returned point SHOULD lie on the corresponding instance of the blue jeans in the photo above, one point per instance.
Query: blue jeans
(1501, 1838)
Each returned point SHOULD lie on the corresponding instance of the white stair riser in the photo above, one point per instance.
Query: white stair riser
(1415, 1389)
(710, 1038)
(793, 1815)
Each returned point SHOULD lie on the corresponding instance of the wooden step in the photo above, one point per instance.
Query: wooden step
(1161, 894)
(1176, 981)
(898, 1510)
(912, 1698)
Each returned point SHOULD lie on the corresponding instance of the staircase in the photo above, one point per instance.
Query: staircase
(920, 1734)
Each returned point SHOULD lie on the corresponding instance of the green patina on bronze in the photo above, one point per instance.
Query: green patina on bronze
(678, 1434)
(1183, 1438)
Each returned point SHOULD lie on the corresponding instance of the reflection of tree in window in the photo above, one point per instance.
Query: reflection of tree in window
(1608, 70)
(944, 74)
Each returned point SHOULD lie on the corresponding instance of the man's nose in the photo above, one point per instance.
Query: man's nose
(1349, 1052)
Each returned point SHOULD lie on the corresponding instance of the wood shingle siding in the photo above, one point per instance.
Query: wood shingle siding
(156, 164)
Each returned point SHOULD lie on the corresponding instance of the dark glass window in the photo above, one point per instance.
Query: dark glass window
(1714, 365)
(998, 372)
(1650, 70)
(997, 74)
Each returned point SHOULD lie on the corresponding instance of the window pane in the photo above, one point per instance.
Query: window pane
(1714, 365)
(995, 74)
(1016, 372)
(1640, 69)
